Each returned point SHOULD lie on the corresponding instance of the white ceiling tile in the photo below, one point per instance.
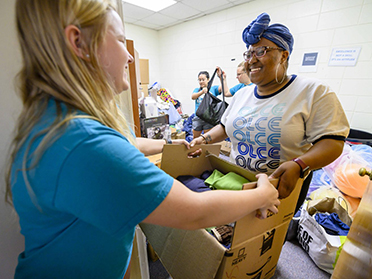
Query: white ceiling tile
(220, 8)
(180, 11)
(148, 25)
(183, 10)
(135, 11)
(128, 19)
(205, 5)
(240, 1)
(158, 19)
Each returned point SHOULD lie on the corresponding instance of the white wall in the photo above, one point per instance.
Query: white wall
(317, 26)
(146, 43)
(11, 241)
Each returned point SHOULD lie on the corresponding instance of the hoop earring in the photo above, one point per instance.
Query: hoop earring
(276, 74)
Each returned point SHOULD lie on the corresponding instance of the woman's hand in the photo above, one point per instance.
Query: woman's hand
(219, 72)
(197, 141)
(271, 202)
(181, 141)
(288, 174)
(204, 90)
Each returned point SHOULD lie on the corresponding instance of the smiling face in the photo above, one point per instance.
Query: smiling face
(113, 54)
(262, 70)
(203, 80)
(242, 76)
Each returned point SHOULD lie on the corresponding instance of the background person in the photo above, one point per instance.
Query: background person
(242, 77)
(76, 178)
(199, 125)
(286, 124)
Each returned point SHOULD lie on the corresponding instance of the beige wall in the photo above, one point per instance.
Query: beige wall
(11, 241)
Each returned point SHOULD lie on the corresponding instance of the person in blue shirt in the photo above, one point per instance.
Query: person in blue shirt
(199, 125)
(242, 77)
(77, 176)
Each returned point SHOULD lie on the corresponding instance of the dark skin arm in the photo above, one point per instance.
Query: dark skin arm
(319, 155)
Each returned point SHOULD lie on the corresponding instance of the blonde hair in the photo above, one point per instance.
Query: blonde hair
(52, 70)
(241, 64)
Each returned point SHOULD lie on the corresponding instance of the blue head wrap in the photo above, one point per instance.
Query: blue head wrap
(277, 33)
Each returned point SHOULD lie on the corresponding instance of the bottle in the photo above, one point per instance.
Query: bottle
(167, 133)
(355, 260)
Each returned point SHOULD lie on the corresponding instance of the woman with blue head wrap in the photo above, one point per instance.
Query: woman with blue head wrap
(286, 124)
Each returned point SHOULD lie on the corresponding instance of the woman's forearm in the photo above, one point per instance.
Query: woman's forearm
(216, 134)
(322, 153)
(150, 146)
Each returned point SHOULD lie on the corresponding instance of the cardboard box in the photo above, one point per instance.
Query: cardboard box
(226, 148)
(144, 71)
(181, 135)
(256, 244)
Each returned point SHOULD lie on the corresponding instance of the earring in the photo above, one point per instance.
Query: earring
(87, 55)
(276, 74)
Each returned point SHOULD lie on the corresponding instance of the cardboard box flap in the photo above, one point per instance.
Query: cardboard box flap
(175, 159)
(250, 226)
(183, 261)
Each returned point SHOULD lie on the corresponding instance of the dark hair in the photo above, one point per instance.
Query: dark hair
(204, 73)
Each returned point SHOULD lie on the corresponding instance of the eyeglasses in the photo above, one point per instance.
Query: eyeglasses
(258, 52)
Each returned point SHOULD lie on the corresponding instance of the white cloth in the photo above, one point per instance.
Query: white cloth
(266, 131)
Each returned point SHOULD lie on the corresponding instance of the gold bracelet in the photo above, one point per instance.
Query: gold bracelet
(204, 139)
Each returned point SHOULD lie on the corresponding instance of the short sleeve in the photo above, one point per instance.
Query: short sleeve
(235, 88)
(214, 90)
(108, 183)
(327, 117)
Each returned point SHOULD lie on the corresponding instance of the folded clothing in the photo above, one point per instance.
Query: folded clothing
(193, 183)
(229, 181)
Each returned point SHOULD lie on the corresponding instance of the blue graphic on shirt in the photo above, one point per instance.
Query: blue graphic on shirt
(258, 133)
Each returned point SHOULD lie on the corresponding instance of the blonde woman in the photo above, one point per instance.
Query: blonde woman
(78, 178)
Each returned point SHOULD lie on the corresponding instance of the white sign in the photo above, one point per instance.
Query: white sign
(344, 56)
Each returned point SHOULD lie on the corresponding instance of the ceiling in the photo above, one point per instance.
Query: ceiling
(182, 11)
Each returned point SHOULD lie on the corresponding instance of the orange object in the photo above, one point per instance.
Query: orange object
(347, 179)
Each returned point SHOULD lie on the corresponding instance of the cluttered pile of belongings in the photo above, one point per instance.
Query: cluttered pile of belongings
(323, 222)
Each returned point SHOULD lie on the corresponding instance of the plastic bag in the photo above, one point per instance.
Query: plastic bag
(322, 247)
(344, 171)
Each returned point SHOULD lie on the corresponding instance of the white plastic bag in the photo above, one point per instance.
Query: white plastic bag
(322, 247)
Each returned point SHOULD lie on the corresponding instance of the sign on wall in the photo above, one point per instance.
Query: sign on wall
(309, 62)
(344, 56)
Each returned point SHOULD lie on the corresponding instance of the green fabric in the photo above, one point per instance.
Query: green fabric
(230, 181)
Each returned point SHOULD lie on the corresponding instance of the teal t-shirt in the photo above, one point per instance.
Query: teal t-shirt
(90, 189)
(213, 91)
(237, 87)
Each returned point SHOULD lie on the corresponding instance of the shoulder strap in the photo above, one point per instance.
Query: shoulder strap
(222, 87)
